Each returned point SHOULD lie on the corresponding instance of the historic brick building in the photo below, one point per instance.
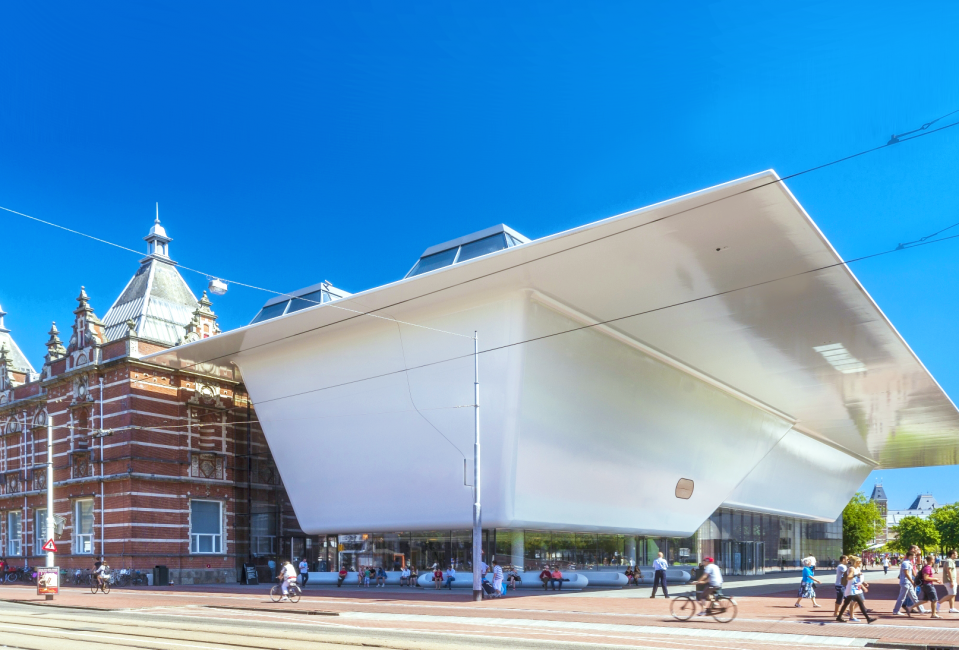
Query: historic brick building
(152, 467)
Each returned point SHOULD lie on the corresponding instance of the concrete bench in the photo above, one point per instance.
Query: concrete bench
(330, 578)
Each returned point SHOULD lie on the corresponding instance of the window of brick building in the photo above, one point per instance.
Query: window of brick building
(14, 533)
(83, 527)
(206, 527)
(263, 533)
(40, 538)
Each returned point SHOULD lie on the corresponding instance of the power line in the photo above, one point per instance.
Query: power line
(598, 239)
(210, 277)
(920, 132)
(611, 320)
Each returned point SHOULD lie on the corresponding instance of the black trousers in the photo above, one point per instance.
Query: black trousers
(659, 579)
(854, 600)
(306, 577)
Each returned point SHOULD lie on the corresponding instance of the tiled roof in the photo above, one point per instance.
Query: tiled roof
(14, 353)
(158, 299)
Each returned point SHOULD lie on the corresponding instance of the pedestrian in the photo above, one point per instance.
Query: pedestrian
(287, 575)
(437, 577)
(907, 586)
(556, 579)
(367, 573)
(381, 577)
(414, 576)
(855, 588)
(885, 564)
(840, 584)
(659, 575)
(450, 577)
(949, 580)
(927, 581)
(497, 579)
(360, 571)
(405, 577)
(272, 566)
(512, 577)
(341, 576)
(807, 587)
(545, 576)
(304, 570)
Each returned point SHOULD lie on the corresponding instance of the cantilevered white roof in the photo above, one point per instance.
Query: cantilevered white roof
(735, 283)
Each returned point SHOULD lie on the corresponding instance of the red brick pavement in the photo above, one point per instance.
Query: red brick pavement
(773, 613)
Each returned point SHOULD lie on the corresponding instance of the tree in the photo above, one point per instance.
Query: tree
(861, 522)
(916, 531)
(946, 521)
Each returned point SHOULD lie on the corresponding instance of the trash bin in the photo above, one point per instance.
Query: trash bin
(149, 579)
(161, 575)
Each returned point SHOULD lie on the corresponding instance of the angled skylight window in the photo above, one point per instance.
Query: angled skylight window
(466, 248)
(840, 359)
(434, 261)
(305, 298)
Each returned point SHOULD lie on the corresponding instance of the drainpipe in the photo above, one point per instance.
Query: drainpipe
(103, 514)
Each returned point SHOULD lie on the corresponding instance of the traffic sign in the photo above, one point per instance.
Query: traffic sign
(50, 547)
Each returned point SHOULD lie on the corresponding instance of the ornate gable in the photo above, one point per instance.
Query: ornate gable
(88, 335)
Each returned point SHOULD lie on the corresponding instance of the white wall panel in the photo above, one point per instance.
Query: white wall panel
(801, 476)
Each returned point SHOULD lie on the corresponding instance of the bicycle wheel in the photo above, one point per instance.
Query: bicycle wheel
(11, 577)
(106, 587)
(94, 587)
(275, 593)
(295, 594)
(682, 608)
(724, 609)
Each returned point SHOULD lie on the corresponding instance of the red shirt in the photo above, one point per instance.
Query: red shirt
(557, 574)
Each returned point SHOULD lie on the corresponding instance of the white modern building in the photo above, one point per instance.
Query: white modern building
(702, 376)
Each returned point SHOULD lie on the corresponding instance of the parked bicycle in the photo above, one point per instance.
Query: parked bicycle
(293, 592)
(720, 607)
(13, 575)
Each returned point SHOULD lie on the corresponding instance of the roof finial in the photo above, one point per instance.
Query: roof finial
(158, 213)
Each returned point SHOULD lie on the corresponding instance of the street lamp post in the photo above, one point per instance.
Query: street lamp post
(51, 525)
(477, 515)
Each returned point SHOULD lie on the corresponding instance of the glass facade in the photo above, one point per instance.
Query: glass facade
(743, 543)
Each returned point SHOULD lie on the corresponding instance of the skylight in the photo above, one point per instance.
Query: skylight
(840, 359)
(466, 248)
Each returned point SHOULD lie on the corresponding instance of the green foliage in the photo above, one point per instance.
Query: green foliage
(916, 531)
(861, 521)
(946, 521)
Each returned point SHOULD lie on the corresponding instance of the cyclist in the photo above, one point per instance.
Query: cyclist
(712, 580)
(287, 575)
(100, 570)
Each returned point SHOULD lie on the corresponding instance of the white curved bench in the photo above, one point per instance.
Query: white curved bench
(527, 580)
(605, 578)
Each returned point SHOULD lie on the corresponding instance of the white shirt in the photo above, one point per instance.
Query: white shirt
(660, 564)
(483, 567)
(405, 573)
(304, 566)
(497, 573)
(840, 572)
(451, 572)
(288, 571)
(715, 575)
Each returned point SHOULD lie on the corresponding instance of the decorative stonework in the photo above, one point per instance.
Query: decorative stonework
(209, 466)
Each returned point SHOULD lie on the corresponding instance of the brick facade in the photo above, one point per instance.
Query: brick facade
(136, 449)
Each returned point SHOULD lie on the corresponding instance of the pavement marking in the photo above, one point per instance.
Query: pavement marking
(101, 636)
(615, 627)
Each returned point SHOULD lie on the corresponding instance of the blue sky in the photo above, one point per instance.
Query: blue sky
(288, 144)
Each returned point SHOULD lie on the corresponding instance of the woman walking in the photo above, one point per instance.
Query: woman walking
(855, 588)
(806, 587)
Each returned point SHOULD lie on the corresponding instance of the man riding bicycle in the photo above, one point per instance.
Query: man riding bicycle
(287, 576)
(712, 581)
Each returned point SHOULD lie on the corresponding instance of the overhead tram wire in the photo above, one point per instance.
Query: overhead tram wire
(642, 225)
(614, 320)
(242, 284)
(920, 132)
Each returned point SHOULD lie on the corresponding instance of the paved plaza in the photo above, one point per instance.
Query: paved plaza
(207, 618)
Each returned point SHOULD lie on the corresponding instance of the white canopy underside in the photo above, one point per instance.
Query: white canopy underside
(733, 286)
